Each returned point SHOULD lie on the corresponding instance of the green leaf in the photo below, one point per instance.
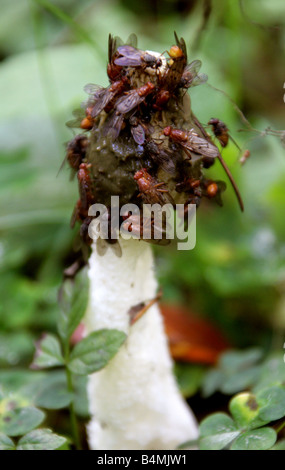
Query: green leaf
(234, 361)
(189, 445)
(41, 439)
(11, 401)
(15, 347)
(245, 411)
(94, 352)
(20, 381)
(189, 378)
(272, 403)
(217, 432)
(272, 373)
(237, 371)
(48, 353)
(54, 397)
(69, 86)
(6, 443)
(73, 305)
(23, 387)
(241, 380)
(212, 382)
(18, 421)
(279, 446)
(257, 439)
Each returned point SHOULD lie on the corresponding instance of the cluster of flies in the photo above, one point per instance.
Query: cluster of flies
(125, 106)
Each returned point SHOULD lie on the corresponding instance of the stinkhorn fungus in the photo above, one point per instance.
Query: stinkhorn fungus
(142, 146)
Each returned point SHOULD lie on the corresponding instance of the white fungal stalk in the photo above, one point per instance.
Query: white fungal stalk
(134, 401)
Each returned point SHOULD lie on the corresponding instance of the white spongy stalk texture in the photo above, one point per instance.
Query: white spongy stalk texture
(134, 401)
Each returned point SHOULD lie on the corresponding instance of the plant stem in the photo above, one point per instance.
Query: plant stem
(73, 420)
(280, 427)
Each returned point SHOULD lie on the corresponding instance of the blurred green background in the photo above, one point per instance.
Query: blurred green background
(49, 50)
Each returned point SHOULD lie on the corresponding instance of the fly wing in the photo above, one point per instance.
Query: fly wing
(166, 165)
(128, 61)
(113, 127)
(92, 89)
(62, 165)
(78, 114)
(73, 123)
(191, 77)
(98, 96)
(200, 79)
(138, 134)
(132, 40)
(74, 216)
(190, 72)
(101, 102)
(181, 43)
(131, 57)
(165, 198)
(127, 50)
(128, 102)
(193, 67)
(163, 158)
(113, 44)
(201, 146)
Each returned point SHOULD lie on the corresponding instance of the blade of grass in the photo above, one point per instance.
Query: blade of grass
(44, 68)
(64, 17)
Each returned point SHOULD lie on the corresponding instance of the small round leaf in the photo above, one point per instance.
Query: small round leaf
(40, 439)
(54, 397)
(20, 420)
(217, 432)
(48, 353)
(95, 351)
(6, 443)
(272, 403)
(257, 439)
